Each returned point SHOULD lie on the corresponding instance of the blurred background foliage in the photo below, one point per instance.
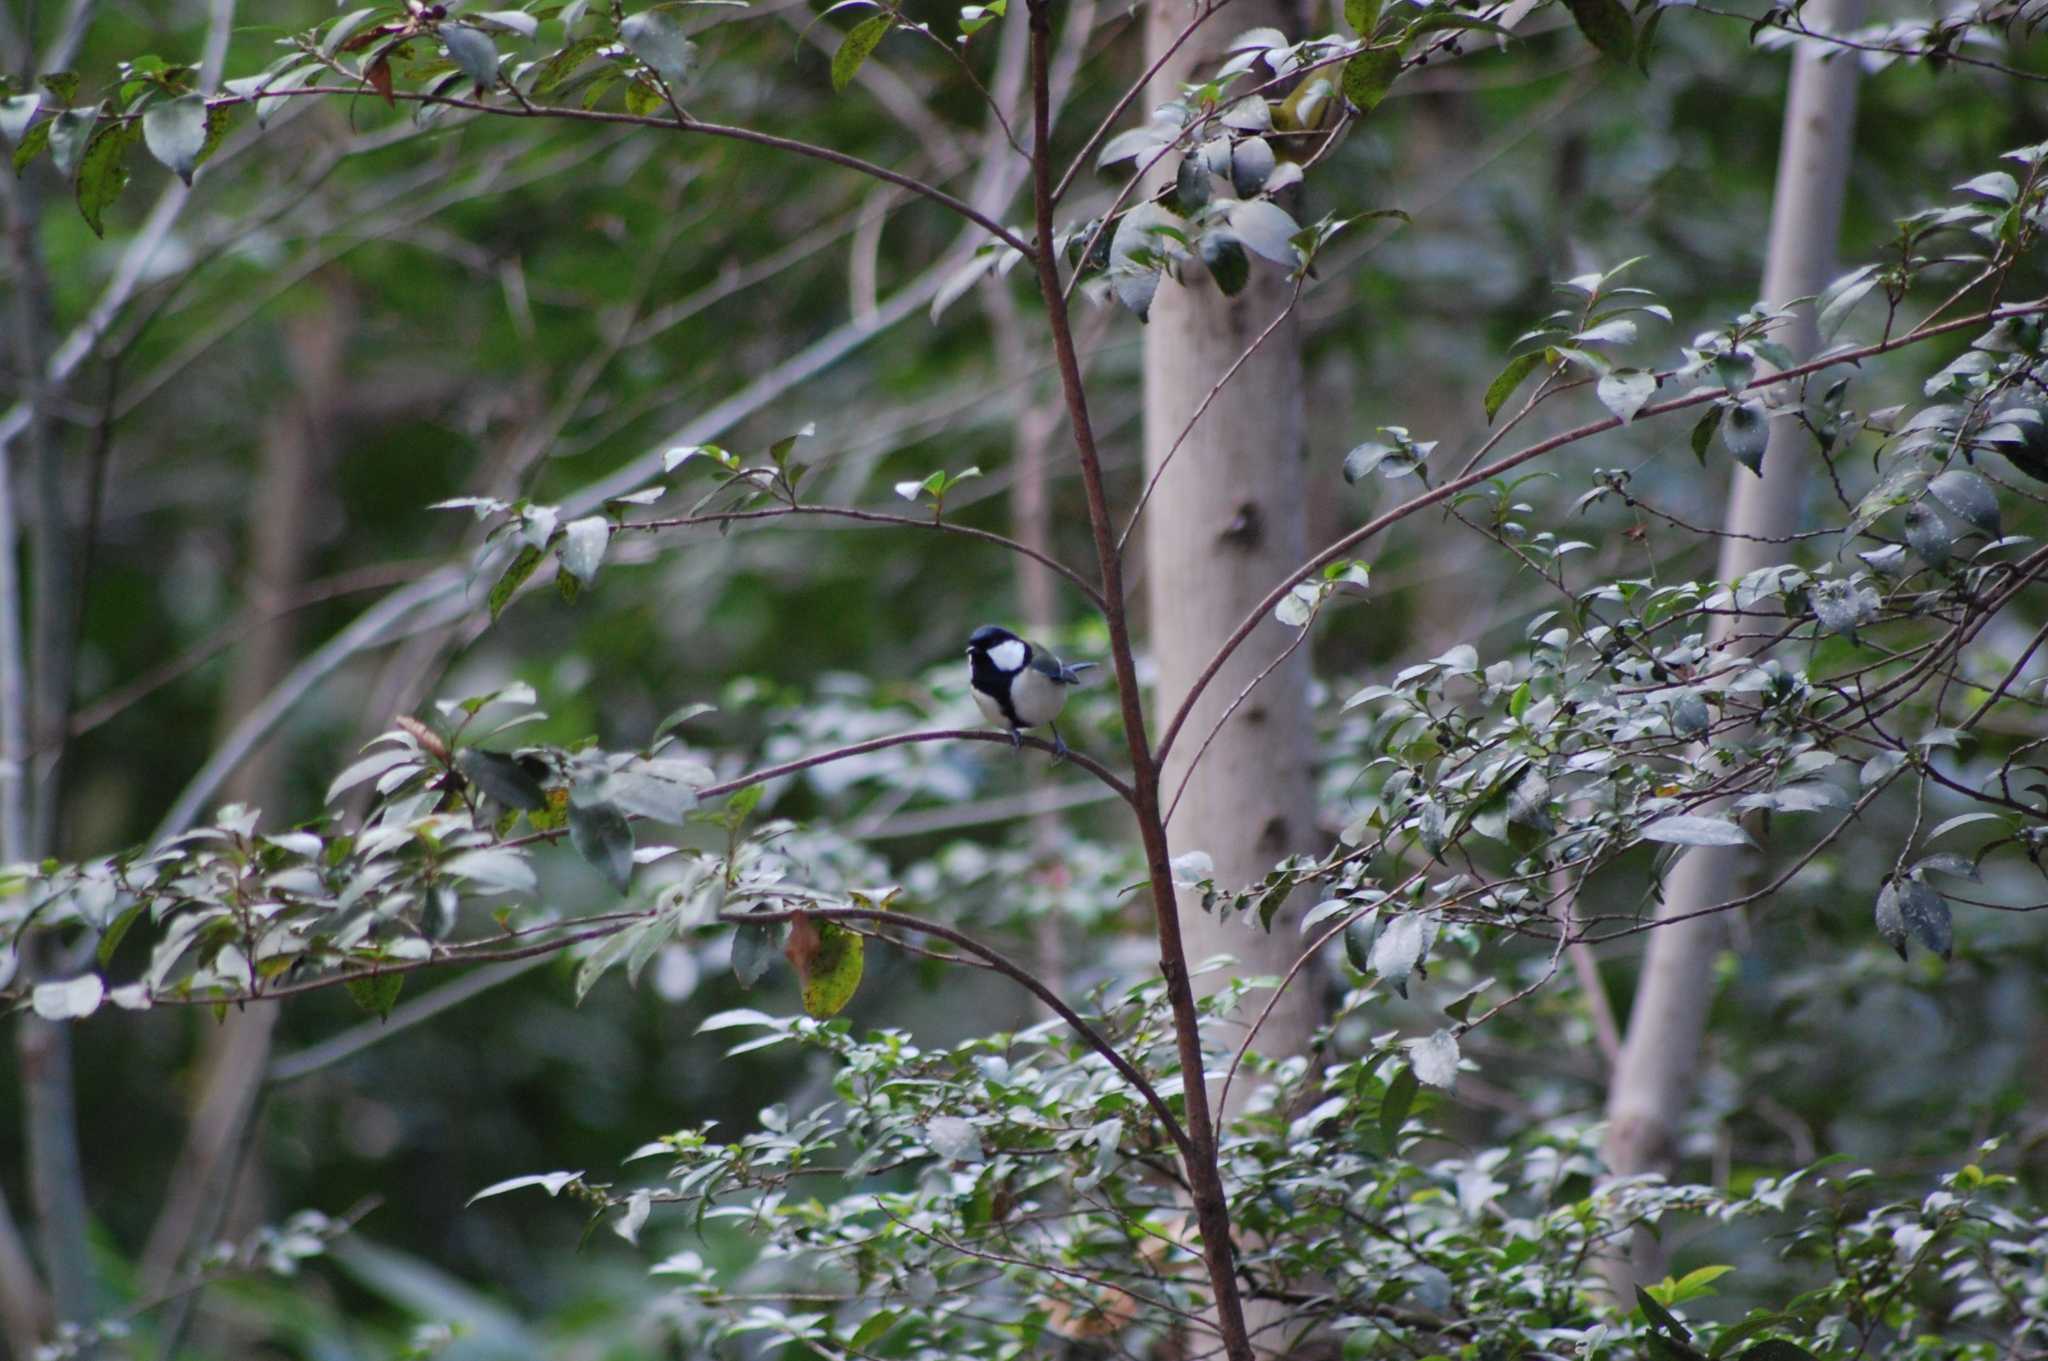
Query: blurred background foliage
(501, 307)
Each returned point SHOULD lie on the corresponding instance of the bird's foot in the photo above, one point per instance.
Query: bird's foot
(1016, 740)
(1059, 747)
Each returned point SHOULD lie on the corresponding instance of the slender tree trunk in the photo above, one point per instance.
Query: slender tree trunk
(1653, 1082)
(43, 1048)
(295, 450)
(1228, 519)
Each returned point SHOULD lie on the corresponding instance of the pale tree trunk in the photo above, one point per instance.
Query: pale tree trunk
(1653, 1082)
(1227, 520)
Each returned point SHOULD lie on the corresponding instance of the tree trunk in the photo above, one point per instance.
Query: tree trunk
(1653, 1081)
(1227, 520)
(209, 1172)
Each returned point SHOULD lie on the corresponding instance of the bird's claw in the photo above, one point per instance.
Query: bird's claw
(1059, 747)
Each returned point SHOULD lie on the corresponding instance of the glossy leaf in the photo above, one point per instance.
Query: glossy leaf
(175, 132)
(854, 50)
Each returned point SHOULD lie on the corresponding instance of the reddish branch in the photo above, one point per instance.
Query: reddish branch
(1205, 1181)
(679, 122)
(1005, 966)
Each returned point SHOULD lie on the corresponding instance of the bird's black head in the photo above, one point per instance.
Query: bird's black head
(988, 636)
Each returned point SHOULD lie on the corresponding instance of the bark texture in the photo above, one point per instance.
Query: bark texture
(1228, 519)
(1653, 1081)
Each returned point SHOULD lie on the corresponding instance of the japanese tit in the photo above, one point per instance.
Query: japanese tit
(1019, 685)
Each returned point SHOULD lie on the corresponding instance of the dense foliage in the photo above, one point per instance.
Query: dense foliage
(801, 797)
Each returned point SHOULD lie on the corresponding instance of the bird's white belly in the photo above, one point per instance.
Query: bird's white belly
(1036, 698)
(990, 710)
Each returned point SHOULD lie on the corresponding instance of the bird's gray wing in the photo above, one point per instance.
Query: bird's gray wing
(1057, 671)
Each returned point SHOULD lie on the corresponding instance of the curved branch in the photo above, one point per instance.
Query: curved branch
(1444, 491)
(682, 122)
(766, 773)
(877, 517)
(1001, 963)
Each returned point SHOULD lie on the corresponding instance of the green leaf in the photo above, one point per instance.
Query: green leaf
(1438, 20)
(1507, 380)
(680, 715)
(376, 993)
(1659, 1317)
(1624, 392)
(1191, 188)
(514, 577)
(657, 39)
(1358, 943)
(754, 947)
(32, 144)
(1928, 534)
(1777, 1350)
(1459, 1007)
(1223, 256)
(1703, 432)
(1367, 76)
(1266, 229)
(175, 132)
(551, 1182)
(949, 1136)
(1696, 831)
(1891, 919)
(1909, 910)
(872, 1329)
(583, 546)
(473, 53)
(103, 173)
(602, 836)
(69, 133)
(859, 43)
(1396, 1104)
(494, 871)
(743, 803)
(502, 777)
(1435, 1060)
(110, 939)
(1695, 1283)
(556, 71)
(62, 84)
(1363, 16)
(1606, 25)
(1747, 433)
(1969, 497)
(16, 114)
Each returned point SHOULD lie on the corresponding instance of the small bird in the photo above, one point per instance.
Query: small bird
(1019, 685)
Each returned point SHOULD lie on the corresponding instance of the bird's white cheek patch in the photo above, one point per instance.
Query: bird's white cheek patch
(1007, 656)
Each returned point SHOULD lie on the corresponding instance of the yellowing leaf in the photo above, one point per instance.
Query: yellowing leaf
(827, 960)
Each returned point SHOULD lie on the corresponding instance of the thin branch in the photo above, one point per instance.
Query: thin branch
(1080, 759)
(681, 123)
(1130, 96)
(1003, 965)
(877, 517)
(1446, 490)
(1152, 482)
(1300, 637)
